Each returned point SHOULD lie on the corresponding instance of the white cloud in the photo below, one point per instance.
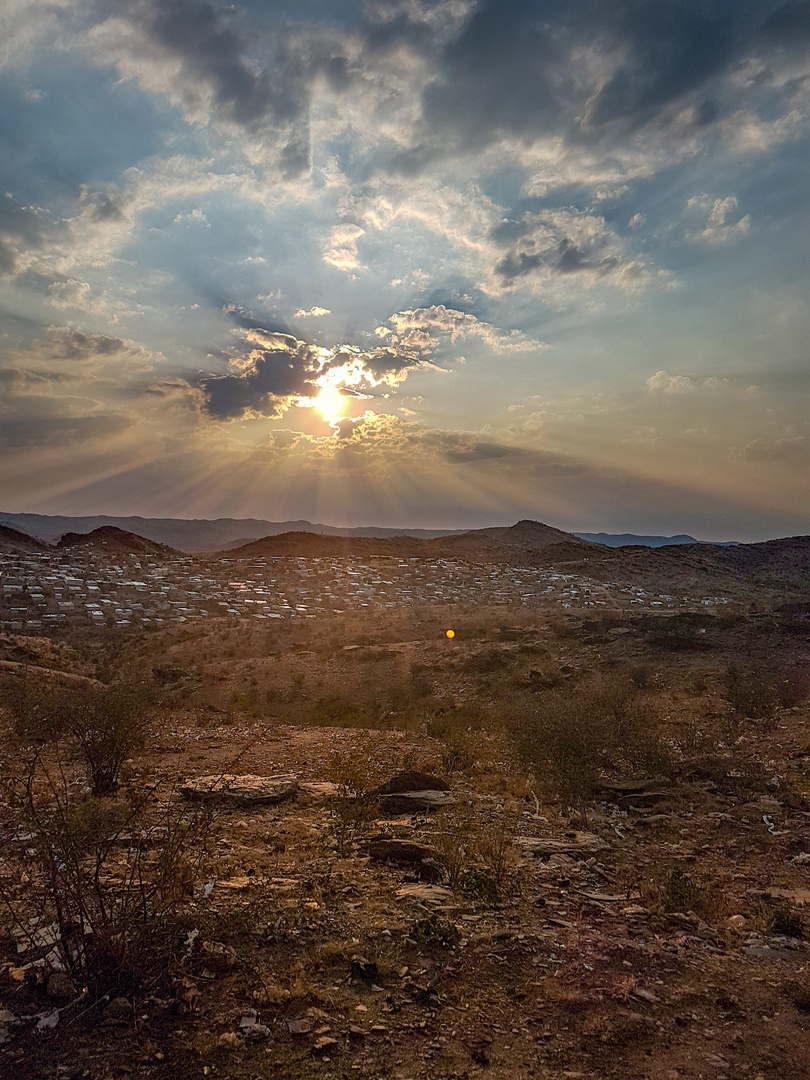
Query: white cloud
(663, 382)
(313, 313)
(717, 229)
(340, 249)
(415, 327)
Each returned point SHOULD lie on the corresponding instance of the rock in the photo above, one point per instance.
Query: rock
(47, 1020)
(301, 1025)
(60, 987)
(436, 894)
(413, 780)
(219, 958)
(119, 1010)
(576, 842)
(408, 802)
(250, 1027)
(618, 788)
(643, 799)
(326, 1042)
(391, 849)
(244, 790)
(320, 789)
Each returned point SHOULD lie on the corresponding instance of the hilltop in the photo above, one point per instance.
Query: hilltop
(195, 535)
(12, 540)
(110, 538)
(520, 544)
(220, 534)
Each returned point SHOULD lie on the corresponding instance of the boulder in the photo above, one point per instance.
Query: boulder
(412, 780)
(244, 790)
(411, 791)
(409, 802)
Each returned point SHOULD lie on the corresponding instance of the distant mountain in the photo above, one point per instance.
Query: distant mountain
(777, 569)
(523, 543)
(632, 540)
(12, 541)
(108, 538)
(195, 534)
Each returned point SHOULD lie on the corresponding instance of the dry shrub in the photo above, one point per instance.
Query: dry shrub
(477, 850)
(569, 738)
(677, 892)
(758, 688)
(92, 883)
(103, 724)
(357, 801)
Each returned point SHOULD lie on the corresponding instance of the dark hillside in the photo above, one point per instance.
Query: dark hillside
(109, 538)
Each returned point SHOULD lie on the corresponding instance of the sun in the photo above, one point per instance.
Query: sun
(330, 403)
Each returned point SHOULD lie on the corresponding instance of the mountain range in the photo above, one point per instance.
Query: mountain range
(218, 534)
(776, 570)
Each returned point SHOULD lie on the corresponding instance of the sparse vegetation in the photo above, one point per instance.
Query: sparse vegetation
(91, 882)
(615, 820)
(570, 739)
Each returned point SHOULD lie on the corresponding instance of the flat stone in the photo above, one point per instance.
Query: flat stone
(580, 841)
(244, 790)
(300, 1026)
(627, 787)
(408, 802)
(435, 894)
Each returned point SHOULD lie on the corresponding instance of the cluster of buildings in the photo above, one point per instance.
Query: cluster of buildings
(40, 591)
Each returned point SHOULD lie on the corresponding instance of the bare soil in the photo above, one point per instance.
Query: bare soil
(651, 934)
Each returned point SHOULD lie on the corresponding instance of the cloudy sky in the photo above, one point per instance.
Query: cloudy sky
(428, 263)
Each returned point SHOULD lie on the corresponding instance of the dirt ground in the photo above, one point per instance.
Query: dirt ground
(658, 932)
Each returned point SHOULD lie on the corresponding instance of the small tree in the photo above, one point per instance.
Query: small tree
(103, 723)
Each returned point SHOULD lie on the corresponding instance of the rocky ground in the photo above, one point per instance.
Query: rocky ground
(657, 932)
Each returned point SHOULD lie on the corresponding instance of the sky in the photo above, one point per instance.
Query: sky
(441, 264)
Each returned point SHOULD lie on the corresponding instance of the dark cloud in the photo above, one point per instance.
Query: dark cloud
(589, 70)
(102, 206)
(279, 369)
(498, 75)
(790, 23)
(272, 375)
(76, 345)
(268, 98)
(558, 243)
(240, 316)
(671, 47)
(566, 258)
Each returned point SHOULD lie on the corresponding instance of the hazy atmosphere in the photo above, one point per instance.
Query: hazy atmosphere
(429, 264)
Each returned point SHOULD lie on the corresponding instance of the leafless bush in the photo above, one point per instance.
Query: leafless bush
(87, 883)
(477, 851)
(758, 688)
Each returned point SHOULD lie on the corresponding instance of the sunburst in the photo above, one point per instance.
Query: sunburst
(330, 403)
